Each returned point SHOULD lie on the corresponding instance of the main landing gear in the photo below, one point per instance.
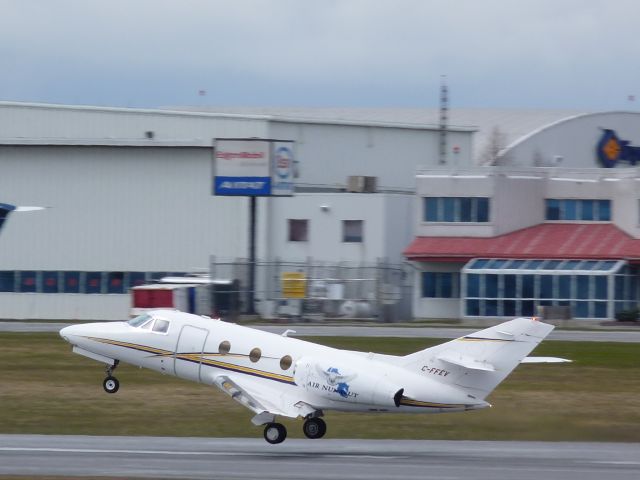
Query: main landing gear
(313, 427)
(111, 383)
(275, 433)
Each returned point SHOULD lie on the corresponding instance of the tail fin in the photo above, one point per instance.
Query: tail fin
(480, 361)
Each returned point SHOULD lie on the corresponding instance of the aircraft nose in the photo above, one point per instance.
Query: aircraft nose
(70, 333)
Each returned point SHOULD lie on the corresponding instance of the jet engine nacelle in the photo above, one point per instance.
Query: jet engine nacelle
(343, 383)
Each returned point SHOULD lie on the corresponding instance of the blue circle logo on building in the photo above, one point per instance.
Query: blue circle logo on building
(283, 160)
(609, 148)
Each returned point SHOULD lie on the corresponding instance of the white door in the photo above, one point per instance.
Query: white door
(189, 349)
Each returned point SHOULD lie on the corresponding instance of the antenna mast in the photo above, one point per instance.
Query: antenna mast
(444, 118)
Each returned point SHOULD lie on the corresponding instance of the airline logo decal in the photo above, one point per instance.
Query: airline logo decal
(611, 150)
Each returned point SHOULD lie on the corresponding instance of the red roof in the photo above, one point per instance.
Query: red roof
(547, 240)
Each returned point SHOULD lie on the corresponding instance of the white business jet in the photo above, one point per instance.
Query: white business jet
(274, 375)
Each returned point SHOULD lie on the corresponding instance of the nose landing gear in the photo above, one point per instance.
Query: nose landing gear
(111, 383)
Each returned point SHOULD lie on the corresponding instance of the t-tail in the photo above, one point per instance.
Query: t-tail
(478, 362)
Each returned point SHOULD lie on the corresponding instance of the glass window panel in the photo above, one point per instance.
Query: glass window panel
(601, 290)
(527, 308)
(552, 264)
(115, 282)
(587, 210)
(546, 286)
(161, 326)
(480, 263)
(473, 308)
(93, 282)
(298, 230)
(136, 279)
(491, 308)
(582, 286)
(570, 210)
(446, 285)
(619, 287)
(491, 286)
(473, 285)
(553, 209)
(600, 309)
(50, 282)
(535, 264)
(606, 265)
(483, 209)
(571, 264)
(564, 286)
(429, 286)
(510, 286)
(509, 308)
(448, 209)
(499, 263)
(517, 264)
(71, 282)
(28, 281)
(581, 310)
(604, 210)
(431, 209)
(466, 209)
(7, 281)
(527, 286)
(352, 231)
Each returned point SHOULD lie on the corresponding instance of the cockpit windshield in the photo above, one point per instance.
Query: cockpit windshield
(147, 322)
(139, 320)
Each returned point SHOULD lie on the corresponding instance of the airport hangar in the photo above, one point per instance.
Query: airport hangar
(130, 198)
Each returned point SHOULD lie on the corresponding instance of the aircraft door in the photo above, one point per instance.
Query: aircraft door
(187, 359)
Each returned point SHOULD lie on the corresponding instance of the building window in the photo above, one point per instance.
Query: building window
(578, 209)
(456, 209)
(298, 230)
(503, 287)
(352, 231)
(440, 285)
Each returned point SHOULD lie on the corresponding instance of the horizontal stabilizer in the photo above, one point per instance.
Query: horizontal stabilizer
(465, 361)
(545, 360)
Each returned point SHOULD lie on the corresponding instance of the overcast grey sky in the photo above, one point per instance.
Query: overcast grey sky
(355, 53)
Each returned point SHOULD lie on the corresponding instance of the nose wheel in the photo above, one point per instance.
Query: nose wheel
(275, 433)
(111, 383)
(314, 428)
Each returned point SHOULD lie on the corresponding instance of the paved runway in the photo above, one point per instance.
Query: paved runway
(374, 331)
(231, 458)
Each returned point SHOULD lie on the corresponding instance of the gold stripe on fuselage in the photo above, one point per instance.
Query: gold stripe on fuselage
(201, 358)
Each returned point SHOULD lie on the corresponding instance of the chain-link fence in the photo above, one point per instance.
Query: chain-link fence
(312, 289)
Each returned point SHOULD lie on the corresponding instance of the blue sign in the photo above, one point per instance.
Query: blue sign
(242, 186)
(611, 150)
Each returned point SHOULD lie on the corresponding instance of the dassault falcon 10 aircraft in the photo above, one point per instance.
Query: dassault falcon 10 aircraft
(275, 375)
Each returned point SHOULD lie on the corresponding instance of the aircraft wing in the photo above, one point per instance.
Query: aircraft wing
(261, 398)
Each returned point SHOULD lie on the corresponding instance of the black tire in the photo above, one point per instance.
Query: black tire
(314, 428)
(275, 433)
(111, 384)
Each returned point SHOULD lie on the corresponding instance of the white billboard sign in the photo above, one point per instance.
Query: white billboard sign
(248, 167)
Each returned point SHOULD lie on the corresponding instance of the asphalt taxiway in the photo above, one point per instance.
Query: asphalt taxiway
(374, 331)
(231, 458)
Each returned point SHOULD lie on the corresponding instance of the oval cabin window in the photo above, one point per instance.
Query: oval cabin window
(224, 347)
(285, 362)
(255, 355)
